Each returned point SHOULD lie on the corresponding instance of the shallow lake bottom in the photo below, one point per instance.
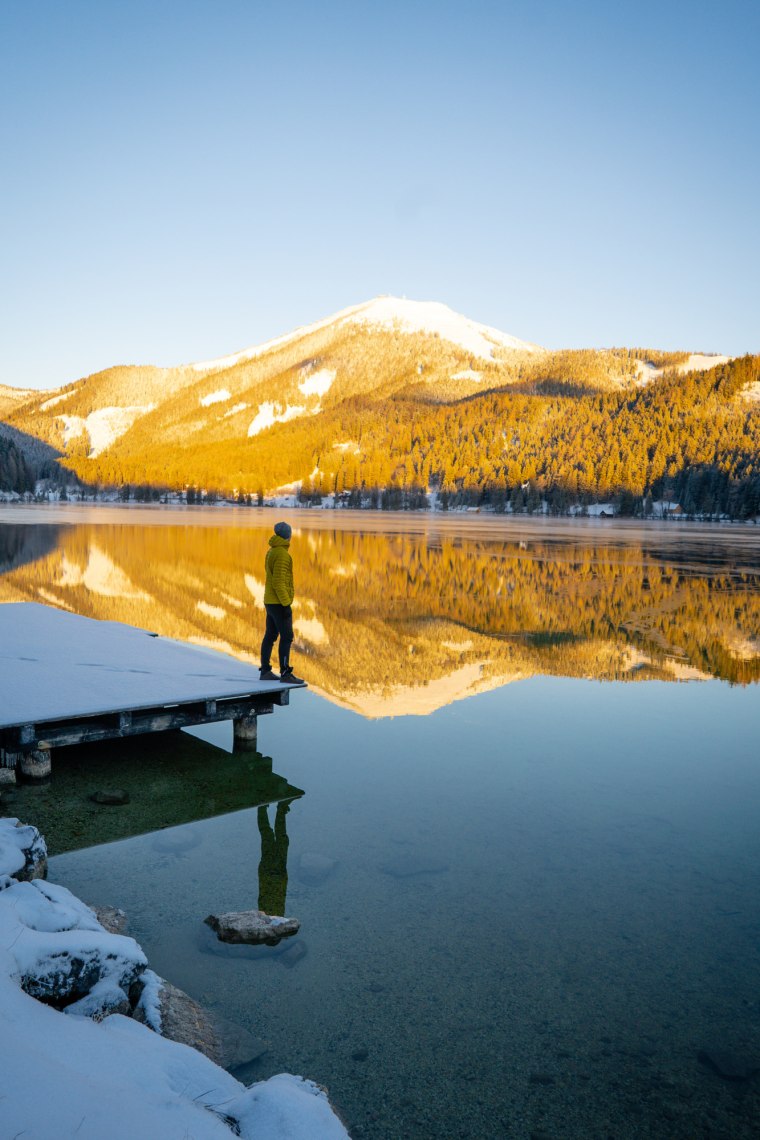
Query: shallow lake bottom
(530, 914)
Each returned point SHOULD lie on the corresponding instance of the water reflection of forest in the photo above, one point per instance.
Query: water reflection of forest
(390, 623)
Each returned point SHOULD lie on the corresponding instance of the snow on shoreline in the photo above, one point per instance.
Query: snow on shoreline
(65, 1074)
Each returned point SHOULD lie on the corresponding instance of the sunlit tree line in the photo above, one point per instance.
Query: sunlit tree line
(556, 431)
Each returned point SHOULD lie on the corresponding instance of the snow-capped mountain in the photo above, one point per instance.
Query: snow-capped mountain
(384, 344)
(430, 318)
(389, 393)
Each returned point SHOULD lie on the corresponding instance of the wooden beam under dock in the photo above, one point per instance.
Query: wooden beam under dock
(66, 679)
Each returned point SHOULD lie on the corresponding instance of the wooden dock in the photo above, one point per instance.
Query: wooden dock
(66, 679)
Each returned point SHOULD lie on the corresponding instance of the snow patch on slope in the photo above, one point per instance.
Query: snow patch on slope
(318, 384)
(51, 403)
(468, 374)
(646, 372)
(104, 426)
(217, 397)
(73, 427)
(348, 445)
(697, 362)
(270, 413)
(702, 361)
(233, 411)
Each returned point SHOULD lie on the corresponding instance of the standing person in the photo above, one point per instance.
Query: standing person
(278, 600)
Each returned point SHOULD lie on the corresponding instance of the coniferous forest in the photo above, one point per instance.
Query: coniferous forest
(558, 432)
(690, 439)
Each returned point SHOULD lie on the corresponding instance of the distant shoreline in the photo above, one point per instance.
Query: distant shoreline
(473, 524)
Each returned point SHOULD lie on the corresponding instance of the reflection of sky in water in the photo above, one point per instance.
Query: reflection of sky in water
(543, 905)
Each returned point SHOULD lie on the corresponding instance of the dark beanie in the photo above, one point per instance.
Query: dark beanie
(282, 530)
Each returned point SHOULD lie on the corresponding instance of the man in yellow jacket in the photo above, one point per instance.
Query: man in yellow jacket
(278, 600)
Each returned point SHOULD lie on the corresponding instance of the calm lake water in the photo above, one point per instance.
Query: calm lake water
(516, 812)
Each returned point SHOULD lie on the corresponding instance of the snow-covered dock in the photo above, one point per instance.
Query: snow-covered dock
(66, 679)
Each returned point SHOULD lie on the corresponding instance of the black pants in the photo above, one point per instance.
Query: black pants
(279, 624)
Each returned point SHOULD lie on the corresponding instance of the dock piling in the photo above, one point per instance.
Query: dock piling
(245, 732)
(36, 765)
(7, 768)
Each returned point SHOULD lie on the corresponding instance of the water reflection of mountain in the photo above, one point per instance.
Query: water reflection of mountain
(395, 624)
(22, 544)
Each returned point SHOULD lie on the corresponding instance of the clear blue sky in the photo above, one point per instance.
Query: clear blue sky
(182, 179)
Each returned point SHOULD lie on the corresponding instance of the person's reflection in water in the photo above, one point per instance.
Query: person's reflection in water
(273, 868)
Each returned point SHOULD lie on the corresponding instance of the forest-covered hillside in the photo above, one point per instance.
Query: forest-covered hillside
(692, 438)
(387, 402)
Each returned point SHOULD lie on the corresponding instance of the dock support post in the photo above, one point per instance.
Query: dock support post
(245, 733)
(7, 768)
(36, 765)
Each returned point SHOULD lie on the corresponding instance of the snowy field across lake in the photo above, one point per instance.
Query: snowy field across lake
(516, 813)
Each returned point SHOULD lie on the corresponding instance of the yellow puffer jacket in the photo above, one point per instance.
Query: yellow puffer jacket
(279, 567)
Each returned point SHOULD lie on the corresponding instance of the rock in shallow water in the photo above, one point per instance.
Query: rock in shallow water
(112, 796)
(313, 869)
(730, 1066)
(239, 1047)
(294, 953)
(252, 926)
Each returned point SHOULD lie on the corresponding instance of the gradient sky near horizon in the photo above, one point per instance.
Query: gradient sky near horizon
(183, 179)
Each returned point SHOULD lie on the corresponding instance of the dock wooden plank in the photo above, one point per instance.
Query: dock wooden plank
(60, 667)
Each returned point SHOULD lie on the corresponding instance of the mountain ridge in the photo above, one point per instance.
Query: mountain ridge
(406, 396)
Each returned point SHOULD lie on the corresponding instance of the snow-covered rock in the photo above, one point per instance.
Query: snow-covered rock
(90, 1072)
(23, 853)
(64, 956)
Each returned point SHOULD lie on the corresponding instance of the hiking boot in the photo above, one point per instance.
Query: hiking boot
(266, 674)
(288, 677)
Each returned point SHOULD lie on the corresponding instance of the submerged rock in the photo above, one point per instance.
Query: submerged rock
(113, 796)
(252, 926)
(313, 869)
(239, 1048)
(730, 1066)
(294, 953)
(181, 1019)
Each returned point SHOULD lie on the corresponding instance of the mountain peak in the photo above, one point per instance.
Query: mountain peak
(431, 317)
(435, 318)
